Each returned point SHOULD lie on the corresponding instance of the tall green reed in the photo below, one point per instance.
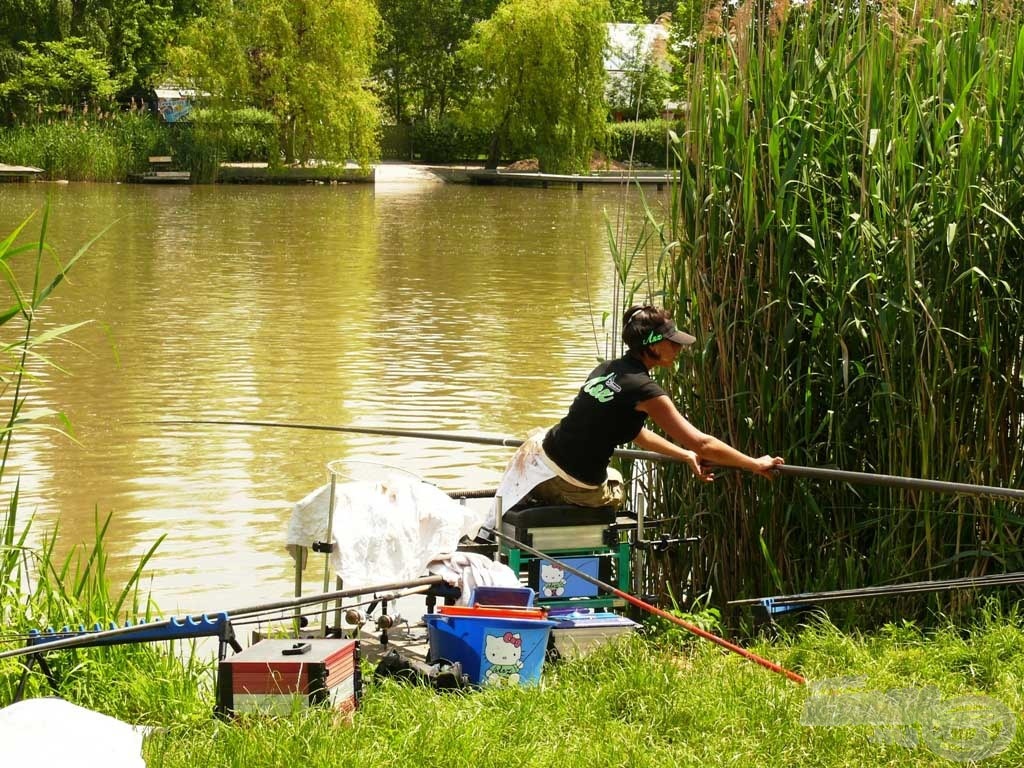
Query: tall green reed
(846, 242)
(89, 146)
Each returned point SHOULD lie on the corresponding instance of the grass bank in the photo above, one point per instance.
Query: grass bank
(641, 703)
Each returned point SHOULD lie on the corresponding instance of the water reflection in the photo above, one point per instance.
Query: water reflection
(432, 307)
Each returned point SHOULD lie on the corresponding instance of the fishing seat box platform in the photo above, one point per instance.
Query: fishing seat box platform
(560, 526)
(276, 677)
(584, 538)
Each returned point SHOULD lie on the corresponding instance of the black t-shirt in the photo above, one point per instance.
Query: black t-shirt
(602, 416)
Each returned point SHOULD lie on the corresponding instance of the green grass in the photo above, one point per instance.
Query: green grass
(637, 703)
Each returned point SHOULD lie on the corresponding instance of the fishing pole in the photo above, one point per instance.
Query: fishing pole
(818, 473)
(89, 638)
(238, 618)
(693, 628)
(885, 590)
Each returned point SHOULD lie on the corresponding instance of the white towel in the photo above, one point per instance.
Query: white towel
(385, 531)
(470, 570)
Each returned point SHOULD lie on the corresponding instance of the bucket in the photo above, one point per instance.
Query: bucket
(486, 611)
(492, 650)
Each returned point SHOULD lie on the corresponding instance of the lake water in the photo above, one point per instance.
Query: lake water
(420, 306)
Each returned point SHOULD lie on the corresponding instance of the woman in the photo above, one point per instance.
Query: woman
(569, 464)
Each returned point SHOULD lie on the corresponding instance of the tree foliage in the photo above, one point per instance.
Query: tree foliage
(639, 90)
(307, 62)
(541, 68)
(58, 73)
(419, 71)
(131, 36)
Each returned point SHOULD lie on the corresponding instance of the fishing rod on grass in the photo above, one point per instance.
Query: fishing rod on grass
(886, 590)
(792, 470)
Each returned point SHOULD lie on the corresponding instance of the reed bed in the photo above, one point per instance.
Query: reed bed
(845, 240)
(89, 145)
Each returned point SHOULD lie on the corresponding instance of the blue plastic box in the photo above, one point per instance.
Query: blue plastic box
(492, 651)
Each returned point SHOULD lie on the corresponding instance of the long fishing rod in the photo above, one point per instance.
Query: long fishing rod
(237, 619)
(886, 590)
(693, 628)
(89, 638)
(834, 475)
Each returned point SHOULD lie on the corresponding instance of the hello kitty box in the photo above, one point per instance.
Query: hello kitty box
(493, 650)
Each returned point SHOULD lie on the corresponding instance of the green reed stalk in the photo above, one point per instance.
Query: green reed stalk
(847, 245)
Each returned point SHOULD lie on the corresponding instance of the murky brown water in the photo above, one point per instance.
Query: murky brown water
(424, 307)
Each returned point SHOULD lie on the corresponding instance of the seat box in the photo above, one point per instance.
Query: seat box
(272, 677)
(559, 526)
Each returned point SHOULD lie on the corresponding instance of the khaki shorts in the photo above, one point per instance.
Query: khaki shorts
(559, 491)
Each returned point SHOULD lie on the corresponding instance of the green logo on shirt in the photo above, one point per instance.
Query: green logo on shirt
(602, 388)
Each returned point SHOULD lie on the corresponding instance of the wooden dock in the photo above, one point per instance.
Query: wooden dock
(161, 177)
(19, 172)
(658, 179)
(161, 171)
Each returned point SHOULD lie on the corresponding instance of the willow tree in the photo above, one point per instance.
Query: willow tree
(542, 79)
(307, 62)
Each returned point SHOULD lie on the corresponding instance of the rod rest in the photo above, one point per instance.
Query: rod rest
(217, 625)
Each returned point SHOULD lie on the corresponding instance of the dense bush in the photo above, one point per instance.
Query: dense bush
(210, 137)
(447, 140)
(110, 146)
(646, 142)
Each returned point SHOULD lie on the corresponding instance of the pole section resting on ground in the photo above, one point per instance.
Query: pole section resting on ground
(693, 628)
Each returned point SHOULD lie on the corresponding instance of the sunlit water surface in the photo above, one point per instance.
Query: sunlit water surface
(432, 307)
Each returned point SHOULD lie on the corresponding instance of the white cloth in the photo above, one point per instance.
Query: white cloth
(385, 531)
(470, 570)
(56, 732)
(527, 469)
